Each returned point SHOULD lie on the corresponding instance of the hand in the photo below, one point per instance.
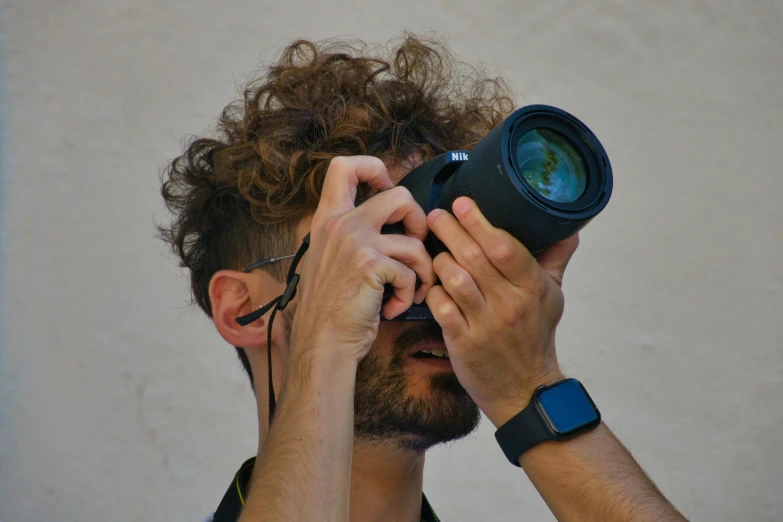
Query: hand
(349, 261)
(498, 307)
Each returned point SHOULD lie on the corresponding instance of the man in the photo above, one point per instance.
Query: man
(357, 401)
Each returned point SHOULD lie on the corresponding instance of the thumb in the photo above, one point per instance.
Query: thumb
(555, 258)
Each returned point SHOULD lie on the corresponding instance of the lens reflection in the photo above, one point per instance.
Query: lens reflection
(551, 165)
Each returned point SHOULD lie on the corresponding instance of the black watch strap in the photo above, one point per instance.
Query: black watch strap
(522, 432)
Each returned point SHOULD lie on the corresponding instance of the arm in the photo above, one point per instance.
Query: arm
(499, 308)
(593, 477)
(303, 469)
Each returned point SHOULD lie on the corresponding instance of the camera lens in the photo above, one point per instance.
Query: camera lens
(551, 165)
(540, 175)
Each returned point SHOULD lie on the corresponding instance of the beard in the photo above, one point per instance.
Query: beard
(386, 411)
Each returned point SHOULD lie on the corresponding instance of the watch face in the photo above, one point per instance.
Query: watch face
(568, 407)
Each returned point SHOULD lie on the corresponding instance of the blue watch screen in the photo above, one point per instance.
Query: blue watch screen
(567, 406)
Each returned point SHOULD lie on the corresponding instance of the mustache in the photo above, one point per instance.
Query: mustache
(421, 332)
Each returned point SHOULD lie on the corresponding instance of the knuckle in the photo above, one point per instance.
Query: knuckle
(400, 193)
(419, 250)
(418, 246)
(337, 164)
(374, 160)
(503, 252)
(516, 307)
(474, 254)
(365, 260)
(447, 311)
(407, 275)
(401, 197)
(459, 281)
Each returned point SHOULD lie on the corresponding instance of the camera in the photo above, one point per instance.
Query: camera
(541, 175)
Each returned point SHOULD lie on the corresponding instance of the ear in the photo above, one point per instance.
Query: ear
(230, 296)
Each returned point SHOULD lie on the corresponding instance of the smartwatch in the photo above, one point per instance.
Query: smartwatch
(555, 412)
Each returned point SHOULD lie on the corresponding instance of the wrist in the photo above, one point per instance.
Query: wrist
(503, 410)
(322, 349)
(317, 367)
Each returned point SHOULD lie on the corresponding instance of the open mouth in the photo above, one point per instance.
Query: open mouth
(431, 354)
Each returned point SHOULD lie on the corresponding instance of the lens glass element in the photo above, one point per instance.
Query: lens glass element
(551, 165)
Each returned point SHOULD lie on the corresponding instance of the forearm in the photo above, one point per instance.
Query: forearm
(592, 477)
(303, 470)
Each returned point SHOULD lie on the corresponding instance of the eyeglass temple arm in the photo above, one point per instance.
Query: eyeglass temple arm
(290, 291)
(264, 262)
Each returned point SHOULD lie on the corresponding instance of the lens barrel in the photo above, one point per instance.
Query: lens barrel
(540, 193)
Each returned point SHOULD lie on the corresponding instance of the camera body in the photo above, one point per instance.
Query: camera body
(426, 183)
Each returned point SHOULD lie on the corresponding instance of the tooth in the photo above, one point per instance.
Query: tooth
(427, 352)
(438, 353)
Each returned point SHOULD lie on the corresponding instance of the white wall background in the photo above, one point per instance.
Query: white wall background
(119, 403)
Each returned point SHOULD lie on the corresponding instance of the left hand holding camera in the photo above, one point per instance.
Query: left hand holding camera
(498, 307)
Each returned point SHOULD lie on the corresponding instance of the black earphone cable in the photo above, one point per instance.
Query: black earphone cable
(278, 303)
(272, 402)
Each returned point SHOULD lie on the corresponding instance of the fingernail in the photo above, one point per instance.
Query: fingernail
(461, 206)
(436, 212)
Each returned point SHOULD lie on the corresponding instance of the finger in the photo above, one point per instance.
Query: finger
(342, 179)
(446, 312)
(465, 249)
(403, 279)
(412, 253)
(392, 206)
(555, 258)
(459, 285)
(504, 252)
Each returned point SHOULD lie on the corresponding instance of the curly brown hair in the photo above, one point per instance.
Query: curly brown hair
(236, 197)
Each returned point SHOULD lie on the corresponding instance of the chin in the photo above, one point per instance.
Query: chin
(407, 393)
(411, 405)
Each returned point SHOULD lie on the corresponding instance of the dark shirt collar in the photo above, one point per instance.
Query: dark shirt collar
(234, 499)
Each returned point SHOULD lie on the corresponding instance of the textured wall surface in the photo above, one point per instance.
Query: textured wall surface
(118, 402)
